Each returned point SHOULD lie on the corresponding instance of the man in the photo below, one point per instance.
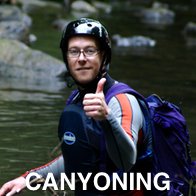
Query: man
(96, 136)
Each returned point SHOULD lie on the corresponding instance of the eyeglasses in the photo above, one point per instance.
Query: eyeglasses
(87, 52)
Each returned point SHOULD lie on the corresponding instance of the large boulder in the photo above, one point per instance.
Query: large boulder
(17, 60)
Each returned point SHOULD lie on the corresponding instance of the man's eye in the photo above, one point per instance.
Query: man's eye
(90, 51)
(73, 51)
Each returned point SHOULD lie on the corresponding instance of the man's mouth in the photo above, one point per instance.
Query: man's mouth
(83, 68)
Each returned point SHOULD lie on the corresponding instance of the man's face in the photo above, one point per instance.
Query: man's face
(84, 68)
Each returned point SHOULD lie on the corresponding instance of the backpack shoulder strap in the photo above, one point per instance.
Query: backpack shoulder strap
(120, 87)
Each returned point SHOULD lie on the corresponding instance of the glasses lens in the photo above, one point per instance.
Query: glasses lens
(88, 52)
(73, 53)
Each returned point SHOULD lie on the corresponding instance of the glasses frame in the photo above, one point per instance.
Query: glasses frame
(83, 51)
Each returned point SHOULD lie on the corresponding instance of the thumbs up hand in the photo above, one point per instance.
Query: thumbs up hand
(94, 103)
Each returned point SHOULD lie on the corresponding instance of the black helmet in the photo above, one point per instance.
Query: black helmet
(86, 26)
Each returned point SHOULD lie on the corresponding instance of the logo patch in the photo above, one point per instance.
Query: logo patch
(69, 138)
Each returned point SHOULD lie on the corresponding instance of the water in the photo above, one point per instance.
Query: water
(29, 113)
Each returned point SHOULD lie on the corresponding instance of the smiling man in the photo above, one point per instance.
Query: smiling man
(97, 136)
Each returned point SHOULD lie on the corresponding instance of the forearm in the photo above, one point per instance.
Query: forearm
(120, 147)
(56, 167)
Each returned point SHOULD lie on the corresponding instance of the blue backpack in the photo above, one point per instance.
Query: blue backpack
(170, 141)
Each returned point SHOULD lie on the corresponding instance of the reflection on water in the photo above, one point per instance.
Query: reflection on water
(26, 127)
(29, 111)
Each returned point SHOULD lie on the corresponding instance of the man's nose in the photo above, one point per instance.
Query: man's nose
(82, 55)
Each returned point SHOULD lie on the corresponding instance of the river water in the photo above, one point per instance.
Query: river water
(29, 112)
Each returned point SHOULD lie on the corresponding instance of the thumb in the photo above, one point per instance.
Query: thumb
(100, 85)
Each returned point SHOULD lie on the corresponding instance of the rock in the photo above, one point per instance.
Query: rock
(19, 61)
(27, 20)
(101, 6)
(60, 24)
(10, 13)
(157, 5)
(24, 88)
(190, 29)
(190, 42)
(82, 9)
(30, 5)
(13, 13)
(189, 33)
(32, 38)
(14, 24)
(14, 30)
(13, 2)
(83, 6)
(134, 41)
(159, 15)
